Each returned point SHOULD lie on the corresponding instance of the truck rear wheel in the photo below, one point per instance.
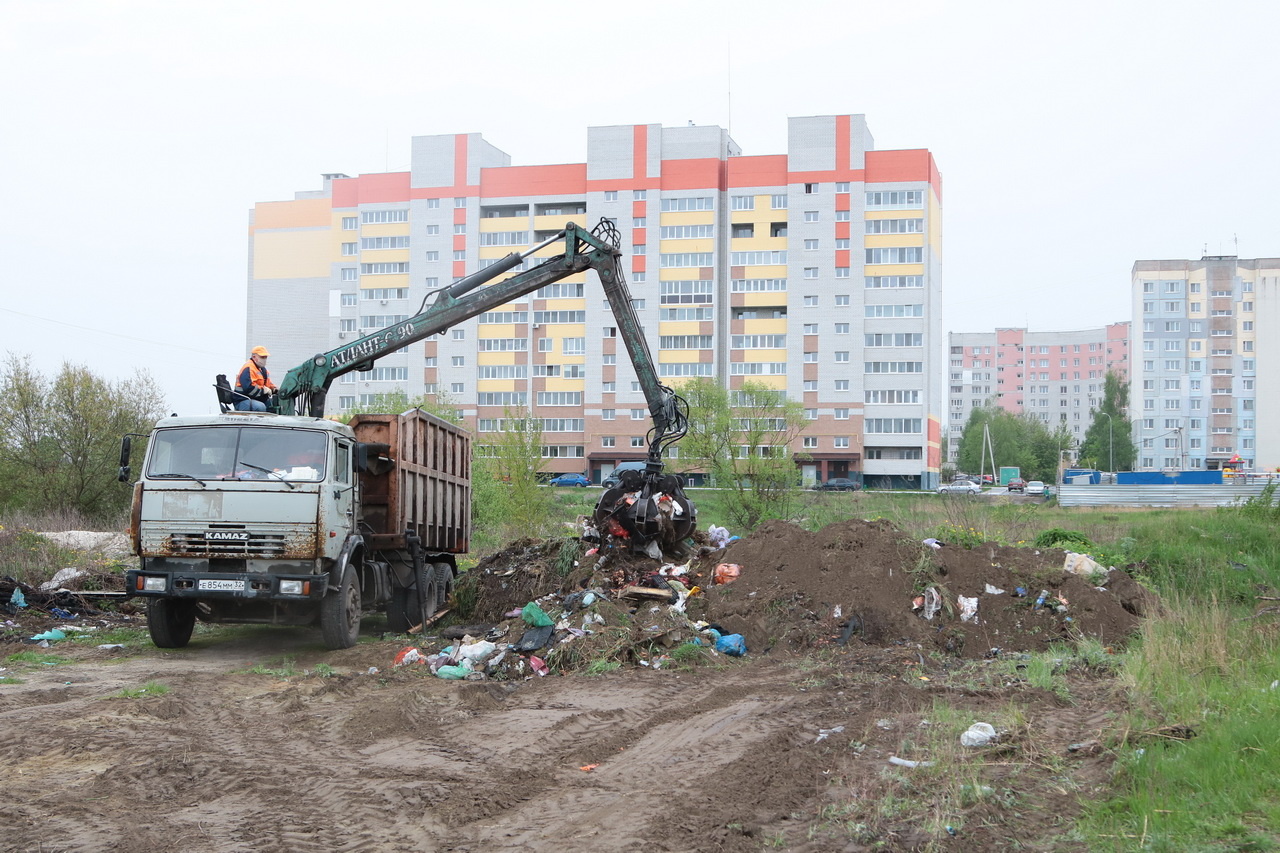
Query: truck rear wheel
(340, 613)
(170, 622)
(444, 585)
(406, 609)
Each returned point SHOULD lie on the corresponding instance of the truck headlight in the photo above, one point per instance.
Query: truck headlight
(151, 583)
(291, 587)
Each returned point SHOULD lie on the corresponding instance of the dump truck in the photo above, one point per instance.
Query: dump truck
(289, 517)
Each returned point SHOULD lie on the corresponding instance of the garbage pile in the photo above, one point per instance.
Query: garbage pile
(560, 606)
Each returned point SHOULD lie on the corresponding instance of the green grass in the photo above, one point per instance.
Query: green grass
(9, 679)
(37, 658)
(151, 688)
(284, 669)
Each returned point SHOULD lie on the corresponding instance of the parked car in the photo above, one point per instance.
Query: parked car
(1035, 487)
(959, 487)
(838, 484)
(988, 479)
(615, 477)
(1017, 484)
(570, 480)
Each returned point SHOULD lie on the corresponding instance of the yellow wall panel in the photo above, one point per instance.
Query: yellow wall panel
(495, 385)
(384, 256)
(555, 222)
(381, 229)
(680, 327)
(765, 327)
(301, 213)
(555, 383)
(496, 330)
(678, 356)
(766, 271)
(776, 297)
(681, 274)
(768, 355)
(894, 269)
(500, 358)
(293, 254)
(371, 281)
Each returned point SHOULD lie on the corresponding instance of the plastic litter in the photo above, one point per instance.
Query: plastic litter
(1040, 599)
(734, 645)
(535, 616)
(824, 733)
(538, 665)
(59, 613)
(993, 590)
(111, 646)
(968, 608)
(1080, 564)
(905, 762)
(717, 536)
(932, 543)
(979, 734)
(727, 572)
(55, 635)
(453, 673)
(476, 651)
(18, 599)
(61, 578)
(534, 638)
(408, 655)
(932, 603)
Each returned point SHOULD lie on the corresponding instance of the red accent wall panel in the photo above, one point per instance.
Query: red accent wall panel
(910, 165)
(639, 151)
(842, 230)
(842, 201)
(460, 160)
(639, 208)
(514, 181)
(842, 144)
(459, 242)
(638, 263)
(459, 269)
(842, 257)
(699, 174)
(763, 171)
(639, 236)
(459, 216)
(370, 189)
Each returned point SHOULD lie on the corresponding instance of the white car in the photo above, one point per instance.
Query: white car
(959, 487)
(1035, 487)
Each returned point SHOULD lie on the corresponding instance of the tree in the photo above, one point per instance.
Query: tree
(1021, 441)
(60, 437)
(515, 460)
(1109, 438)
(742, 439)
(441, 405)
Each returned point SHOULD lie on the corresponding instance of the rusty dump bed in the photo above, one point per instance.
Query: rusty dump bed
(428, 487)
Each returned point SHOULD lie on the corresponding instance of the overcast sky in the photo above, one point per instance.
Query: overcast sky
(1073, 139)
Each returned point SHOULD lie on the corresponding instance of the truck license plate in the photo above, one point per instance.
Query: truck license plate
(220, 585)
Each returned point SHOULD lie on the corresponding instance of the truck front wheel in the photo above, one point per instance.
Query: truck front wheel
(444, 585)
(170, 622)
(340, 613)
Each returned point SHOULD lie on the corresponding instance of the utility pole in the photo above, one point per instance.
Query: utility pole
(1111, 440)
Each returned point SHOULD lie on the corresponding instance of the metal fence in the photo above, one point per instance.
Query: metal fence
(1158, 496)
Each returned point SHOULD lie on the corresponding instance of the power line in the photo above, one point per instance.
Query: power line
(111, 334)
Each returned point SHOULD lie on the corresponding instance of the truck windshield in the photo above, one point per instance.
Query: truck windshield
(238, 453)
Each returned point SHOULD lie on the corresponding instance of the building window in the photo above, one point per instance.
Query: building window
(840, 442)
(811, 302)
(810, 272)
(349, 248)
(459, 202)
(742, 202)
(610, 195)
(810, 245)
(811, 216)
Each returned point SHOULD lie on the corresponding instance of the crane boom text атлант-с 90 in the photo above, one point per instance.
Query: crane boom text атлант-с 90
(291, 518)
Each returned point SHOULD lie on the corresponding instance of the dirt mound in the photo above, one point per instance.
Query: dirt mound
(854, 582)
(860, 579)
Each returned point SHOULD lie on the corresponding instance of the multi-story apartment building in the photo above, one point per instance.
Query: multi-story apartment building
(1198, 361)
(1056, 376)
(815, 271)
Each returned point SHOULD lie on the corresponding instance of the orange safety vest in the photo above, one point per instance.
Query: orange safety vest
(258, 378)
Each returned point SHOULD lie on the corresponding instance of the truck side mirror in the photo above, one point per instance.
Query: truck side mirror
(125, 444)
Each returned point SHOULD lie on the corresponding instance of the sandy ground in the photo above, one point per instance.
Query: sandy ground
(717, 758)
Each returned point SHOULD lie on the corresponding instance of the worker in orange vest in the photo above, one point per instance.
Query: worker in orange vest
(254, 383)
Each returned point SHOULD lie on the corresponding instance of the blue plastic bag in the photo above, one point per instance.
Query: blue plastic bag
(734, 645)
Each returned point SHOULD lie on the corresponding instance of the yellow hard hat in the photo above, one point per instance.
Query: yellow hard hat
(259, 351)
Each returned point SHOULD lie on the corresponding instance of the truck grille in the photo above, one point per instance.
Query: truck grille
(257, 546)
